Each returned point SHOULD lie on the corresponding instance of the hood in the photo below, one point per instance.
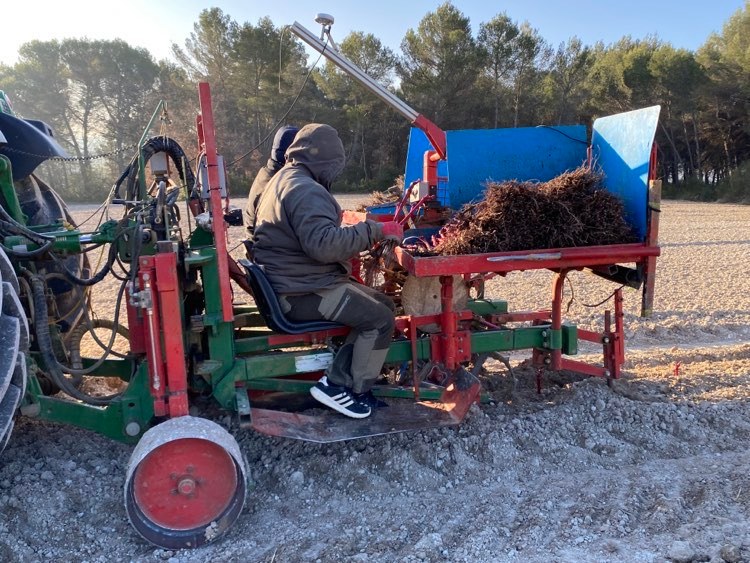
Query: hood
(318, 148)
(281, 142)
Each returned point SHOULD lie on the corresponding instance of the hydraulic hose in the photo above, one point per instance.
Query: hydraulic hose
(15, 227)
(44, 341)
(149, 149)
(30, 254)
(86, 282)
(74, 340)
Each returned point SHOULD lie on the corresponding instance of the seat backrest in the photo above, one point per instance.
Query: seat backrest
(270, 308)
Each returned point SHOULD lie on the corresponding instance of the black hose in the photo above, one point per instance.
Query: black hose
(99, 276)
(9, 224)
(89, 324)
(30, 254)
(44, 341)
(107, 348)
(149, 149)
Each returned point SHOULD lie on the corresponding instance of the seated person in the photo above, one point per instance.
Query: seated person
(281, 141)
(305, 253)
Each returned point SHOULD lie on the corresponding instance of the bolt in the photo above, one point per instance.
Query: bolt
(605, 340)
(186, 486)
(132, 429)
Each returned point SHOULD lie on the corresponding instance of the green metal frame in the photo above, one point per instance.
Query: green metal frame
(133, 407)
(233, 361)
(252, 363)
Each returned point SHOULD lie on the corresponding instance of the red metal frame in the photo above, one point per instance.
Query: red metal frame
(555, 259)
(558, 284)
(207, 141)
(452, 346)
(434, 134)
(165, 350)
(136, 328)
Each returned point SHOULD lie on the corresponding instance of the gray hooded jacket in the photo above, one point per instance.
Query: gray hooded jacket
(298, 235)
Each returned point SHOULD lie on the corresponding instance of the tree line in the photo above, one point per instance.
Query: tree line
(99, 95)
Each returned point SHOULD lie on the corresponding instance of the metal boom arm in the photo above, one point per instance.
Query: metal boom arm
(434, 133)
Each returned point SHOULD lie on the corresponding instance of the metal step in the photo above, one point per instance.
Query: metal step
(400, 416)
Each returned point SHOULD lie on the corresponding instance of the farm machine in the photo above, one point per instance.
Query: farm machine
(188, 338)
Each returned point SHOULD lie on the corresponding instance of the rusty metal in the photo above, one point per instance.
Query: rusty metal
(402, 416)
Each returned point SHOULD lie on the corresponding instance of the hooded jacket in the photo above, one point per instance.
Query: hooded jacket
(281, 141)
(298, 236)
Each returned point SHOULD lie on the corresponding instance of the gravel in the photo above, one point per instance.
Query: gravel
(654, 468)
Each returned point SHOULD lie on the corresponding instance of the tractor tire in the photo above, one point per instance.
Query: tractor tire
(42, 206)
(14, 345)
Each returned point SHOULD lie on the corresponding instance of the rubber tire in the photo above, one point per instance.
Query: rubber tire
(169, 432)
(43, 206)
(14, 345)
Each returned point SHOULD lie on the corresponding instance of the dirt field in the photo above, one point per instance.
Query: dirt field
(656, 468)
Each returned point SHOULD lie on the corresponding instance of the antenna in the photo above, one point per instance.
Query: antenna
(326, 21)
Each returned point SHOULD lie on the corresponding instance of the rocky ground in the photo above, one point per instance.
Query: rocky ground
(654, 468)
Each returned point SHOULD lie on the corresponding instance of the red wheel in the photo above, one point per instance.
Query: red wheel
(185, 484)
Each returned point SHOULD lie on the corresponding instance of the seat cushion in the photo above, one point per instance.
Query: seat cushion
(270, 308)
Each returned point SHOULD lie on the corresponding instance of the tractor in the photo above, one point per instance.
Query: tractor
(186, 481)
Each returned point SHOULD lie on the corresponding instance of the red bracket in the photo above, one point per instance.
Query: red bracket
(165, 349)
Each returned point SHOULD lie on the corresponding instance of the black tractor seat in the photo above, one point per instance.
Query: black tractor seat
(270, 308)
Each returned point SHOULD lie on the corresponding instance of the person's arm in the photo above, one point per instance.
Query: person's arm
(315, 220)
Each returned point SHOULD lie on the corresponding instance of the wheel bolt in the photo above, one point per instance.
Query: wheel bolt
(186, 486)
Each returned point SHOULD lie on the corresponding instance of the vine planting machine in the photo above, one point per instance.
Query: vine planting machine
(186, 480)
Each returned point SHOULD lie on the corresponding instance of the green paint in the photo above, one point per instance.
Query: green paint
(569, 339)
(485, 307)
(135, 405)
(8, 192)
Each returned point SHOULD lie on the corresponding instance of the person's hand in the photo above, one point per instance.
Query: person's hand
(392, 231)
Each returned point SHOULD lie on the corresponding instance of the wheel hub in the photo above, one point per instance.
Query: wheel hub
(186, 486)
(185, 483)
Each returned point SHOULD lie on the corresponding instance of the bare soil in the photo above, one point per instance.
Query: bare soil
(654, 468)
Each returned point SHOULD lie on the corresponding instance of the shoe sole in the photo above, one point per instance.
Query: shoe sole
(321, 397)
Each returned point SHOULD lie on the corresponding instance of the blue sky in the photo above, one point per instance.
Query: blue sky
(155, 24)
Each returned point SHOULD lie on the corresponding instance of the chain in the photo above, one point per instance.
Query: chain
(72, 158)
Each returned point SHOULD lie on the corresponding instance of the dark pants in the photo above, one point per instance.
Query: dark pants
(370, 314)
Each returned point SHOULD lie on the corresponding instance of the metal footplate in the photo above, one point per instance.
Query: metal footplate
(401, 416)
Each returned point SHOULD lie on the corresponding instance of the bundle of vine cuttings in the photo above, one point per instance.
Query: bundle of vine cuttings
(381, 260)
(390, 195)
(573, 209)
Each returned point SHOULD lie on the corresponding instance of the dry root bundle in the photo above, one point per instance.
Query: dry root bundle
(572, 209)
(382, 260)
(390, 195)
